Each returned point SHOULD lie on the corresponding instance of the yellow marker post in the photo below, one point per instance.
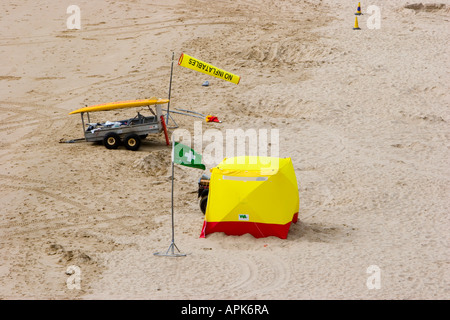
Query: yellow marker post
(200, 66)
(358, 10)
(356, 27)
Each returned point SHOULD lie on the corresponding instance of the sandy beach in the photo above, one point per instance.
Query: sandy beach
(363, 114)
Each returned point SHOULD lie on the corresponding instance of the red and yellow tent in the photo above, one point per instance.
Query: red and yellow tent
(256, 195)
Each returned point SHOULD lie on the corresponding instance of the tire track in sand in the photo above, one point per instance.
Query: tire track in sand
(84, 211)
(248, 277)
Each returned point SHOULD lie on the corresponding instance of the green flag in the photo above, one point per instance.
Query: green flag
(186, 156)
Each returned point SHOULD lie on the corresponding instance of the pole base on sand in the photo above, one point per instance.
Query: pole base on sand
(170, 252)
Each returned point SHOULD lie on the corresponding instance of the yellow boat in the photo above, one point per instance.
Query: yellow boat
(121, 105)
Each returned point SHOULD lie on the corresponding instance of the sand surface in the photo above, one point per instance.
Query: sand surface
(364, 115)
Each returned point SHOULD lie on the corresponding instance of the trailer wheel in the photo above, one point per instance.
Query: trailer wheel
(111, 140)
(203, 203)
(132, 142)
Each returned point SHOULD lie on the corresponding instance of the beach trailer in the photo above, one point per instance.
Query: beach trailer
(128, 132)
(249, 194)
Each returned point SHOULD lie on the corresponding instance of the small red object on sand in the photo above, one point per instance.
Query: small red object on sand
(212, 119)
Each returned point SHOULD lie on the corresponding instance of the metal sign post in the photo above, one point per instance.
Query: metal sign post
(170, 89)
(171, 250)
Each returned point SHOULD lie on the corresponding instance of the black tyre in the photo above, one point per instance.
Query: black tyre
(203, 203)
(111, 140)
(132, 142)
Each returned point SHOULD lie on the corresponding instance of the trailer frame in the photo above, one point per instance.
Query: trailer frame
(130, 131)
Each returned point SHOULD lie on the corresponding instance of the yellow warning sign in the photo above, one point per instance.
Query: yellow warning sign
(200, 66)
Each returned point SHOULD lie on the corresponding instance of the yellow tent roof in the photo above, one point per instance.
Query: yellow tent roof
(251, 166)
